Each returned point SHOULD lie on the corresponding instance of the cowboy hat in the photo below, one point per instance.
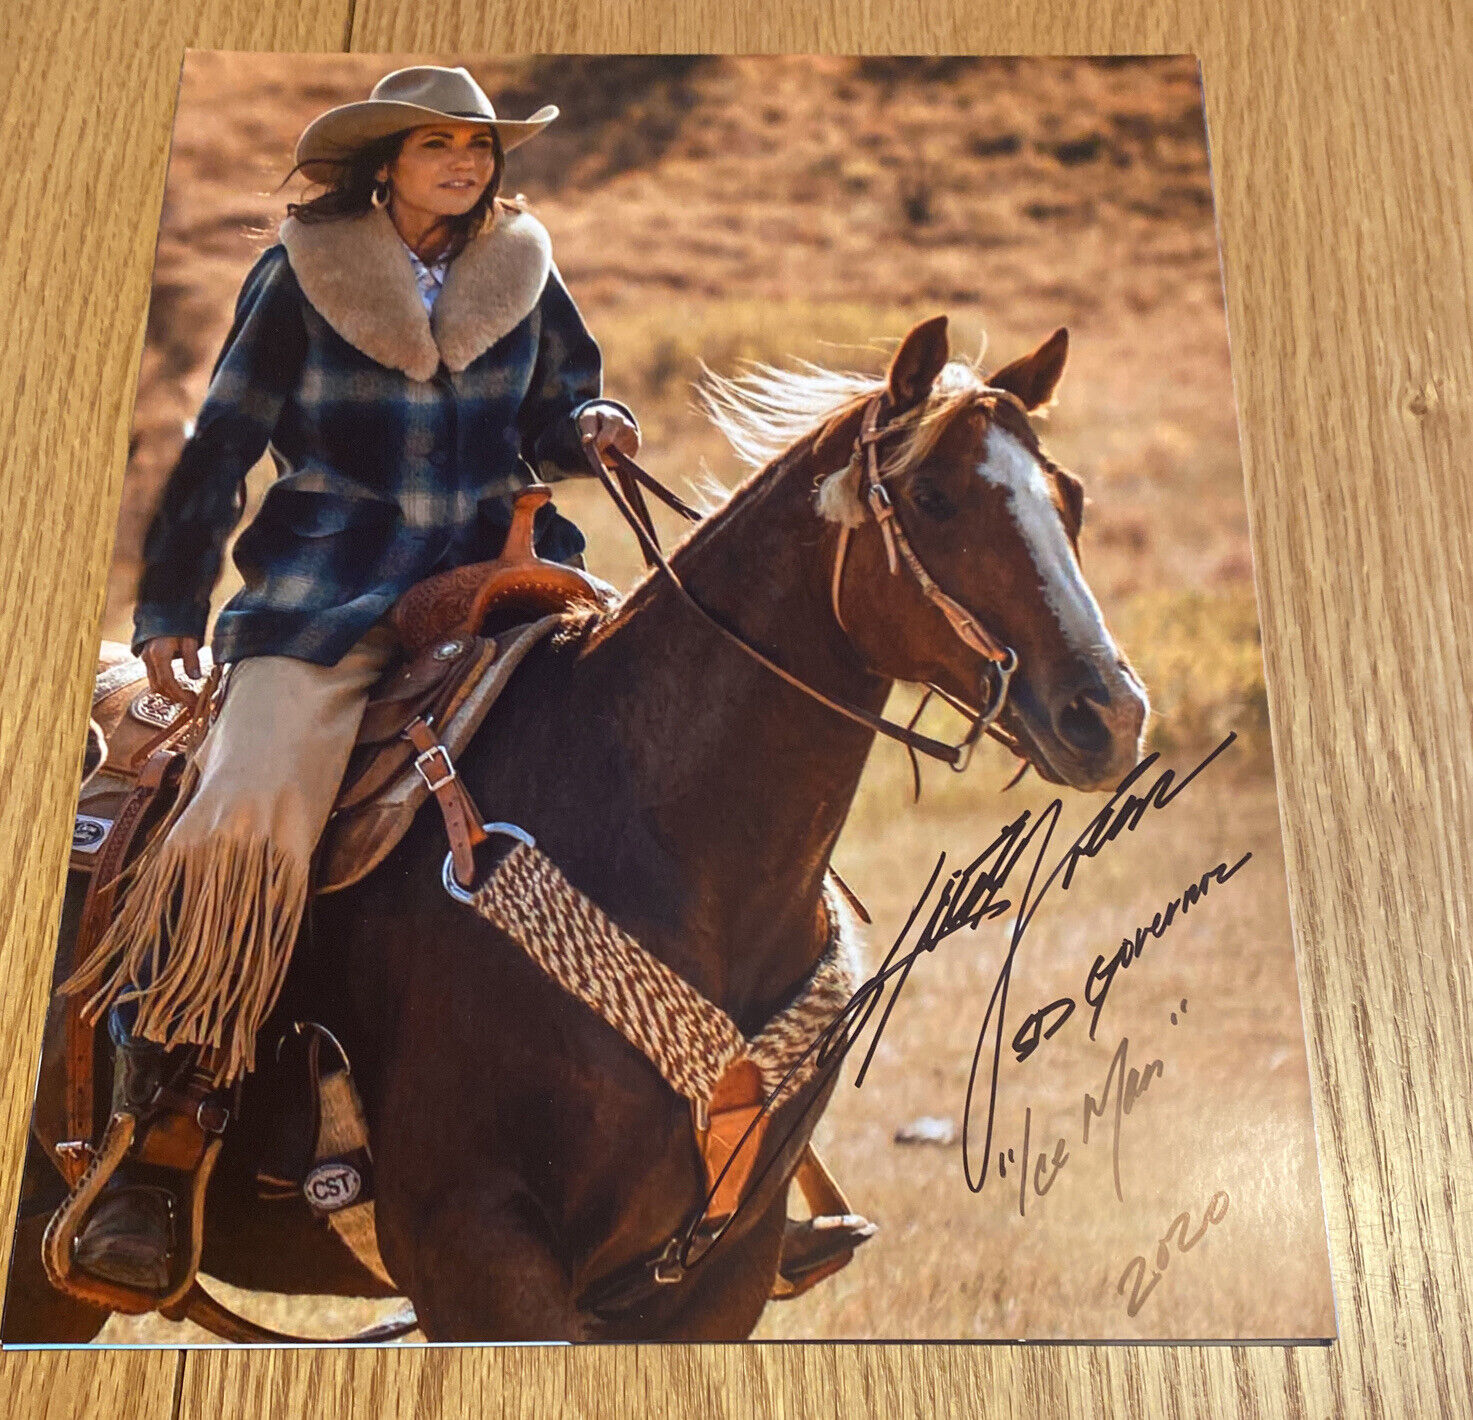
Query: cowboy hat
(407, 98)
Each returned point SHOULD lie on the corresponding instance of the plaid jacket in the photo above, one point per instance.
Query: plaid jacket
(398, 436)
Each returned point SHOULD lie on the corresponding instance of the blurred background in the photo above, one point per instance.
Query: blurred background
(765, 207)
(715, 208)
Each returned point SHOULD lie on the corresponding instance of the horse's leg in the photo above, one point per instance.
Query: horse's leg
(35, 1312)
(483, 1266)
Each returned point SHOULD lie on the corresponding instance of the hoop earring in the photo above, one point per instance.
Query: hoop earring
(379, 197)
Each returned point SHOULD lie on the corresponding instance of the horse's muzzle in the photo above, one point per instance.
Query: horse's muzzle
(1088, 724)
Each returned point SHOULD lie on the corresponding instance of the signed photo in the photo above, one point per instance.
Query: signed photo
(680, 748)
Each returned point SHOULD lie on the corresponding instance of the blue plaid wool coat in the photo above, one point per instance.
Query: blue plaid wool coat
(399, 437)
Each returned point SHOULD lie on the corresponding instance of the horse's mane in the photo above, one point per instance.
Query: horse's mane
(766, 413)
(766, 410)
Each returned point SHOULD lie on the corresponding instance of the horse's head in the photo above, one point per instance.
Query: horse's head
(994, 523)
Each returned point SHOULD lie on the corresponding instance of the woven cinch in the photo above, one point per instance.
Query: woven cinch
(690, 1041)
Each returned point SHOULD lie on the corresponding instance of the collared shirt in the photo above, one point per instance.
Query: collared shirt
(429, 278)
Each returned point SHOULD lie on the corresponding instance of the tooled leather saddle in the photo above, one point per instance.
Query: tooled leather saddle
(462, 634)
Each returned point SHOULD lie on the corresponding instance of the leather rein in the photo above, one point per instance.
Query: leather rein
(624, 487)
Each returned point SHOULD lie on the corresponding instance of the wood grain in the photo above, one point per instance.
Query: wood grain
(1339, 140)
(86, 102)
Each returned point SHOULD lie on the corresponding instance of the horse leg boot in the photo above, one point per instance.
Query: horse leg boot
(134, 1236)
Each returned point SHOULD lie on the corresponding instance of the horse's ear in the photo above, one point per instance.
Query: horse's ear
(1035, 377)
(914, 367)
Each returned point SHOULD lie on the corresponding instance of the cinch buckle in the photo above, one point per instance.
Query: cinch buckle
(668, 1268)
(421, 759)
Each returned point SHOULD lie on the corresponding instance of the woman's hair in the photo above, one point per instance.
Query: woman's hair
(351, 191)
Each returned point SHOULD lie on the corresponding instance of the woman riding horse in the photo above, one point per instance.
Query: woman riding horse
(405, 350)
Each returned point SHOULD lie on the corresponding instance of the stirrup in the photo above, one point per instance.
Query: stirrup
(817, 1247)
(58, 1244)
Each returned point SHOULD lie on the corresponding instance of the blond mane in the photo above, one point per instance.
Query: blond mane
(764, 411)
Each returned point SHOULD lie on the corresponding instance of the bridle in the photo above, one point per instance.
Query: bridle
(876, 498)
(624, 485)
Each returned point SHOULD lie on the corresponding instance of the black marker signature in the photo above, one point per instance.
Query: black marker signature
(1044, 1023)
(970, 896)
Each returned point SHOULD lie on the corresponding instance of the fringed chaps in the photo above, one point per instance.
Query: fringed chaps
(211, 908)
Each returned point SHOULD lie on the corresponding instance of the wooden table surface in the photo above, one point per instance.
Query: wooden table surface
(1340, 138)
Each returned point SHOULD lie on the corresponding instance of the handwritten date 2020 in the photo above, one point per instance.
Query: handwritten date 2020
(1175, 1240)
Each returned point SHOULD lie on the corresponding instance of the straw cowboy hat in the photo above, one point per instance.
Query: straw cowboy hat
(404, 99)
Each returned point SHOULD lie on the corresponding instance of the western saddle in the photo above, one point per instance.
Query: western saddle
(462, 634)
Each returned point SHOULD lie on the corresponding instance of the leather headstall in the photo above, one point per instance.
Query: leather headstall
(898, 550)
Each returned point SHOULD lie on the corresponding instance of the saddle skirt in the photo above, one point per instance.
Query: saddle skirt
(452, 684)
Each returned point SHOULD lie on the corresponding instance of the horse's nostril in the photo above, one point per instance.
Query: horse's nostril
(1080, 727)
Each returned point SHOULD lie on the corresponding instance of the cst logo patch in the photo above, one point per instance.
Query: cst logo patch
(88, 833)
(332, 1186)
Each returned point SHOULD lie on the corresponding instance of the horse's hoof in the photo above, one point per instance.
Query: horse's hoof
(129, 1238)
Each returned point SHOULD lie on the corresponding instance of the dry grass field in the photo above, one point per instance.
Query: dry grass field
(720, 209)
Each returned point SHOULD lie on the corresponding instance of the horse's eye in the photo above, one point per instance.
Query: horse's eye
(932, 502)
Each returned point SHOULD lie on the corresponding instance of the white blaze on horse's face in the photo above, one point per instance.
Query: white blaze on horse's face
(1087, 710)
(1009, 466)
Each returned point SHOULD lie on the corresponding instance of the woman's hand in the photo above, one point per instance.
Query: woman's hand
(158, 657)
(608, 425)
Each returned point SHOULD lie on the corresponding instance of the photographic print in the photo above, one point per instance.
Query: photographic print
(680, 748)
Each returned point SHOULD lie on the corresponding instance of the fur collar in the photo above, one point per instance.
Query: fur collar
(356, 275)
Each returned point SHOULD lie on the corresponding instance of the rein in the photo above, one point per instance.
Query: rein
(627, 497)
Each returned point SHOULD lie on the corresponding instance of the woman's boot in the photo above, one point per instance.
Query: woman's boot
(134, 1234)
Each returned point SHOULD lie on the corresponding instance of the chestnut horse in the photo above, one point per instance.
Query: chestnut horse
(524, 1152)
